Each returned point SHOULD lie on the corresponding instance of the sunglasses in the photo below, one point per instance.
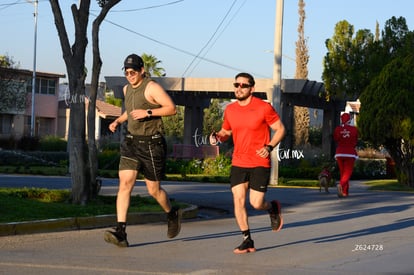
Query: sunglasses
(131, 73)
(242, 85)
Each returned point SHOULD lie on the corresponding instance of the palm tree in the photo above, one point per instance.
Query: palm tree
(151, 65)
(301, 114)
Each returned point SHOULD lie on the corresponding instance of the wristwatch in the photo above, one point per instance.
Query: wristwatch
(269, 148)
(149, 113)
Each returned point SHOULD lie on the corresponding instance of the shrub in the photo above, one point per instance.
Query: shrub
(28, 143)
(9, 143)
(299, 172)
(194, 166)
(53, 143)
(315, 136)
(28, 158)
(219, 166)
(176, 166)
(370, 169)
(108, 159)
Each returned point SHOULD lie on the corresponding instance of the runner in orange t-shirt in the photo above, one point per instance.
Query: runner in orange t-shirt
(248, 121)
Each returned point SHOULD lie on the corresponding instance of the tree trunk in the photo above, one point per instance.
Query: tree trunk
(301, 125)
(403, 154)
(77, 154)
(92, 149)
(96, 70)
(74, 58)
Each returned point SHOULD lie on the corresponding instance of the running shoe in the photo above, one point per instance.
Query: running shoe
(117, 237)
(245, 247)
(276, 219)
(174, 222)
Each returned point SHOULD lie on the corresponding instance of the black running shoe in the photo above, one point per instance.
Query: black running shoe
(117, 237)
(276, 219)
(174, 222)
(246, 246)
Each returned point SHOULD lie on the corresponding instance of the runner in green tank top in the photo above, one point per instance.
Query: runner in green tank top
(144, 149)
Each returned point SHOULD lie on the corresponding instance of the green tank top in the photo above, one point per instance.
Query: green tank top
(135, 99)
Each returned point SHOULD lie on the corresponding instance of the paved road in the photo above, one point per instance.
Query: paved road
(367, 233)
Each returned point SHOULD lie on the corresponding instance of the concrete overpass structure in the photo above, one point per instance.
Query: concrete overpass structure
(196, 94)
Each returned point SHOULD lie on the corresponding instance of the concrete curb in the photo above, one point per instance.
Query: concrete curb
(78, 223)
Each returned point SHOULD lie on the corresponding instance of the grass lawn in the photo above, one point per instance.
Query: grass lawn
(375, 185)
(388, 185)
(28, 204)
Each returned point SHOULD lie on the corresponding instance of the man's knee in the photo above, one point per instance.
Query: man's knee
(126, 184)
(257, 200)
(258, 205)
(125, 188)
(153, 188)
(154, 192)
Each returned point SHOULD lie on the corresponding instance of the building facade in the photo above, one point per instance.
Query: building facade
(16, 106)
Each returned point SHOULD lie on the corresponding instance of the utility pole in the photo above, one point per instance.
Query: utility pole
(32, 121)
(277, 77)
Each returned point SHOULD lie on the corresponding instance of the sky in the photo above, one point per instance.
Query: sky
(191, 38)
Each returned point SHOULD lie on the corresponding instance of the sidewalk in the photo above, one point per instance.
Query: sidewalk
(366, 233)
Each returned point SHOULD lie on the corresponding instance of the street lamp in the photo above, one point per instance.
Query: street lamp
(32, 122)
(277, 78)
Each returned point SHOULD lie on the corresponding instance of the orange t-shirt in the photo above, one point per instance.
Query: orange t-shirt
(250, 130)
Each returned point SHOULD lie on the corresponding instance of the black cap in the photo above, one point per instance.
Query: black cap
(133, 61)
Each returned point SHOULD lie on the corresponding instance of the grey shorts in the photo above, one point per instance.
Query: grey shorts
(257, 177)
(145, 154)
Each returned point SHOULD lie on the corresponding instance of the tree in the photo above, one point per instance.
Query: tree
(74, 58)
(383, 51)
(345, 71)
(151, 65)
(393, 35)
(301, 114)
(174, 126)
(377, 32)
(337, 59)
(213, 116)
(387, 114)
(7, 62)
(111, 99)
(302, 53)
(12, 90)
(96, 71)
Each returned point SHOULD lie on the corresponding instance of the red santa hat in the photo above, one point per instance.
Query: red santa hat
(345, 118)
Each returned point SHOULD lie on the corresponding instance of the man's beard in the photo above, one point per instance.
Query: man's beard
(243, 96)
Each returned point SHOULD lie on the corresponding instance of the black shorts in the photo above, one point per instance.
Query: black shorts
(146, 154)
(257, 177)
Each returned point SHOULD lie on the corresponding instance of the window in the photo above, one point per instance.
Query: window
(27, 125)
(6, 122)
(51, 87)
(43, 86)
(45, 126)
